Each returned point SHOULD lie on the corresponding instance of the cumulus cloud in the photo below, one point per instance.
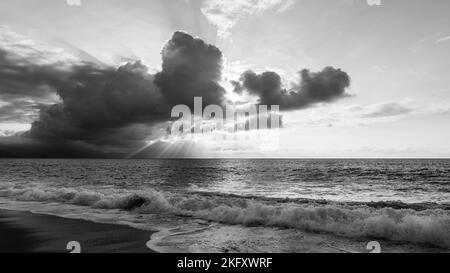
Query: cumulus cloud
(190, 68)
(31, 69)
(29, 73)
(104, 108)
(313, 87)
(103, 111)
(20, 77)
(99, 102)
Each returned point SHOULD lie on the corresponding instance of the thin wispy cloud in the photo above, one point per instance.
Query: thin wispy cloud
(443, 39)
(225, 14)
(361, 115)
(36, 52)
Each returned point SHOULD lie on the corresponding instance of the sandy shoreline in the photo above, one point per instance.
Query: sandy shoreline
(27, 232)
(38, 233)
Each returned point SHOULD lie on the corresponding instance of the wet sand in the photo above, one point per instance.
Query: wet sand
(37, 233)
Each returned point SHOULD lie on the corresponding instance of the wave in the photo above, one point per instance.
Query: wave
(431, 226)
(378, 204)
(84, 197)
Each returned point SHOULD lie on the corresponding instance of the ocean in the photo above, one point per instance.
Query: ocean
(245, 205)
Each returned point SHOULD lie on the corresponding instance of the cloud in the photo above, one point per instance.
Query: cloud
(362, 115)
(443, 39)
(285, 6)
(388, 109)
(190, 68)
(103, 111)
(101, 103)
(20, 77)
(34, 51)
(20, 110)
(30, 71)
(313, 87)
(12, 129)
(225, 14)
(22, 147)
(103, 108)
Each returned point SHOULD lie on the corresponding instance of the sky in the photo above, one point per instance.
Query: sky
(99, 79)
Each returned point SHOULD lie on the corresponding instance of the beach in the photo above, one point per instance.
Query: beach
(38, 233)
(26, 232)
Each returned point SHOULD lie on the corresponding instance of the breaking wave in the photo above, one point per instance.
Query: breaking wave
(427, 226)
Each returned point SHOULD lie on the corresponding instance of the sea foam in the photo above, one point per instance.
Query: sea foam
(431, 226)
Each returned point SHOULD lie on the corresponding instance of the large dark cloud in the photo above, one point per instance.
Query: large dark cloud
(100, 101)
(190, 68)
(313, 87)
(103, 108)
(100, 104)
(110, 112)
(22, 78)
(24, 147)
(25, 87)
(18, 110)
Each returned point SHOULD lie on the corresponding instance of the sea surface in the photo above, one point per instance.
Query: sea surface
(245, 205)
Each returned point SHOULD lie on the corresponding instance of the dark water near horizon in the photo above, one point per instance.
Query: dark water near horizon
(361, 180)
(395, 199)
